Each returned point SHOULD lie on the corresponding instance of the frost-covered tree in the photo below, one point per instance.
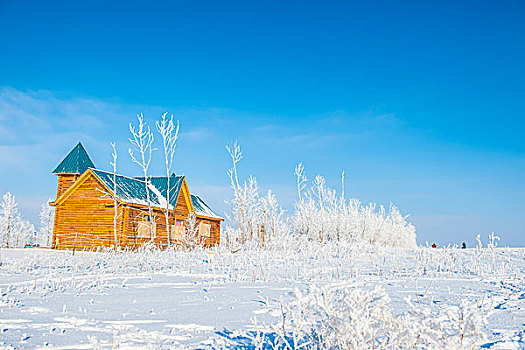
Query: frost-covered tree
(254, 218)
(272, 226)
(169, 133)
(323, 216)
(23, 233)
(142, 144)
(114, 196)
(8, 216)
(320, 215)
(301, 179)
(192, 237)
(47, 215)
(237, 204)
(14, 230)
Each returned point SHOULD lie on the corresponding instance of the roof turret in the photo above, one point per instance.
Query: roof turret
(76, 162)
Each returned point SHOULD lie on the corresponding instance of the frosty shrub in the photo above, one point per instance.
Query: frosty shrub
(323, 216)
(320, 216)
(350, 318)
(192, 239)
(491, 245)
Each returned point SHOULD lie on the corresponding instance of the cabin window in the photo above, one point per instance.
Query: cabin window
(143, 230)
(144, 227)
(177, 230)
(205, 230)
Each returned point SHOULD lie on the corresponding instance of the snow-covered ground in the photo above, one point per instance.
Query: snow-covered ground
(201, 299)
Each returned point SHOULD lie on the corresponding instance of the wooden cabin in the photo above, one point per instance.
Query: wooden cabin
(85, 210)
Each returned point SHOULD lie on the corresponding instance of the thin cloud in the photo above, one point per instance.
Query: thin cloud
(34, 116)
(326, 129)
(198, 134)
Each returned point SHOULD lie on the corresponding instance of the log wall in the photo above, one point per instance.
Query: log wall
(181, 208)
(64, 181)
(215, 231)
(87, 213)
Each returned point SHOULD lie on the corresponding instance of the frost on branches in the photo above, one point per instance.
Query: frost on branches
(192, 239)
(47, 214)
(256, 220)
(320, 215)
(351, 318)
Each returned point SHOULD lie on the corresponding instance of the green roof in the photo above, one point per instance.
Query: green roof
(76, 162)
(133, 190)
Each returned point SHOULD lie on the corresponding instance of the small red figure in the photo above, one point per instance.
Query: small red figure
(434, 245)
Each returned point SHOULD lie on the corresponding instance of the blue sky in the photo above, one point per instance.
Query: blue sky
(421, 103)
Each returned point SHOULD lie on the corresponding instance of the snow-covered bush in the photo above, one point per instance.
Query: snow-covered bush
(335, 317)
(491, 245)
(15, 231)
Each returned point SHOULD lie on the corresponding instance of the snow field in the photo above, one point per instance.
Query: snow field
(201, 299)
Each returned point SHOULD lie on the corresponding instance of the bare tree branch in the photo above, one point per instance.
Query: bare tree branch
(142, 142)
(169, 134)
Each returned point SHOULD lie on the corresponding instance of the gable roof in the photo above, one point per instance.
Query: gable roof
(76, 162)
(202, 209)
(133, 190)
